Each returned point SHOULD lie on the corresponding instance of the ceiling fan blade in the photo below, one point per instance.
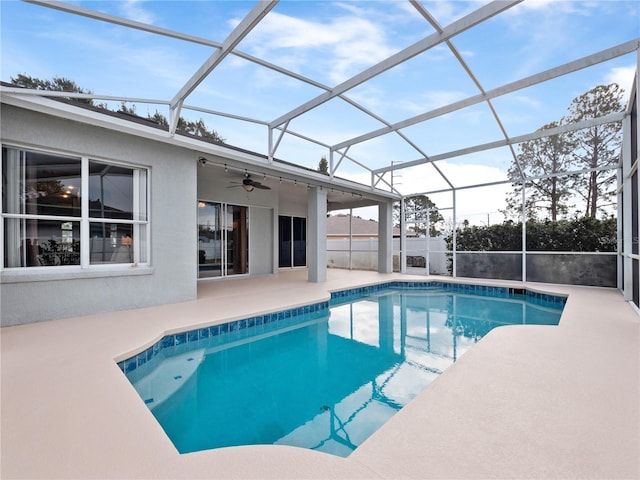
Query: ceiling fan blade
(260, 186)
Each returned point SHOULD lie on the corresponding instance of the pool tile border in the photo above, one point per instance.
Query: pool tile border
(503, 292)
(132, 363)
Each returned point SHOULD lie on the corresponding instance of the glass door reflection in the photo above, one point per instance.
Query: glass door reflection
(237, 245)
(223, 240)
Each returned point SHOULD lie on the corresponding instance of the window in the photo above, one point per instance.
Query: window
(69, 211)
(292, 232)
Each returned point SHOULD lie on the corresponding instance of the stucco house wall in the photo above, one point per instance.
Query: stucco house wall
(182, 171)
(171, 276)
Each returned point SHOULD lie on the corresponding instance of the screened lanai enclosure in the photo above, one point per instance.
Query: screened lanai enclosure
(504, 133)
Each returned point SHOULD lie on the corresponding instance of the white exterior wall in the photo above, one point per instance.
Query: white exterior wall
(27, 297)
(364, 254)
(176, 183)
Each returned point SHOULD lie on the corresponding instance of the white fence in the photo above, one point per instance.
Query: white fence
(364, 254)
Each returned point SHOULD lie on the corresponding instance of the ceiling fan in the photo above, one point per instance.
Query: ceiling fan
(249, 184)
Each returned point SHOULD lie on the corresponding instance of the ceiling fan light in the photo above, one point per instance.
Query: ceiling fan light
(248, 188)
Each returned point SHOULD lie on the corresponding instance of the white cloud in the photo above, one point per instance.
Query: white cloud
(370, 96)
(623, 76)
(473, 204)
(528, 101)
(446, 12)
(342, 46)
(553, 7)
(439, 98)
(133, 10)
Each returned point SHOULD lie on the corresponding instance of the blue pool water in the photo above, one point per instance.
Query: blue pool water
(323, 377)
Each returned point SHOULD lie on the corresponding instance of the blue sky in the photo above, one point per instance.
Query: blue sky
(330, 42)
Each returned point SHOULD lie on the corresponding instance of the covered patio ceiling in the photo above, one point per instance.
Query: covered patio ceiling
(405, 97)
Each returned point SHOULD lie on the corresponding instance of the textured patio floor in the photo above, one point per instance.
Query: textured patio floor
(525, 402)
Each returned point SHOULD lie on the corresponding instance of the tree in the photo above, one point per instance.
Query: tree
(596, 146)
(124, 108)
(594, 149)
(159, 119)
(61, 84)
(56, 84)
(323, 165)
(583, 234)
(420, 210)
(542, 160)
(198, 129)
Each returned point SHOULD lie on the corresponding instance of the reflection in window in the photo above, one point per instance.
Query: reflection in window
(40, 184)
(111, 243)
(41, 243)
(210, 239)
(292, 241)
(110, 191)
(42, 205)
(113, 205)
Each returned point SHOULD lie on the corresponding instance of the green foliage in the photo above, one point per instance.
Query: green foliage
(159, 118)
(61, 84)
(323, 166)
(500, 237)
(56, 84)
(584, 234)
(124, 108)
(199, 129)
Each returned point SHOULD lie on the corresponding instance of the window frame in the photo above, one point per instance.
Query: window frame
(140, 227)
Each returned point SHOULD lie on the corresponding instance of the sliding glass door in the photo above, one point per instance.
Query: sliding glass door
(223, 240)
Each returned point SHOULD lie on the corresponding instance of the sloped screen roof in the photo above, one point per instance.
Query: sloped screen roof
(442, 90)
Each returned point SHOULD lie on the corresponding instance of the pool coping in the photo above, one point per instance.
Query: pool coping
(552, 409)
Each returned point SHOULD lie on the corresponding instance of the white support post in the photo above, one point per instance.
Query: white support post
(350, 238)
(317, 234)
(385, 237)
(427, 236)
(455, 236)
(174, 116)
(626, 219)
(524, 232)
(403, 237)
(331, 163)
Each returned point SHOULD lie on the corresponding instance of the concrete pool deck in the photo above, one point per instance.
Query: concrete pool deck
(525, 402)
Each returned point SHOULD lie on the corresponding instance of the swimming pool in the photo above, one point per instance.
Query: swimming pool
(324, 376)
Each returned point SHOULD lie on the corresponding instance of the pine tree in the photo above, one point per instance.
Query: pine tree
(596, 146)
(542, 160)
(61, 84)
(56, 84)
(323, 166)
